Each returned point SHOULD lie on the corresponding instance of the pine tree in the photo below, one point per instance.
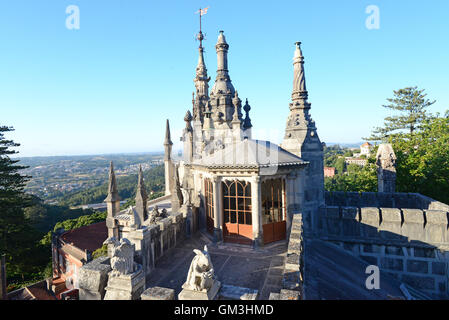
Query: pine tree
(411, 104)
(17, 237)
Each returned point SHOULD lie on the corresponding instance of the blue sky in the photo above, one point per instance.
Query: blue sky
(109, 86)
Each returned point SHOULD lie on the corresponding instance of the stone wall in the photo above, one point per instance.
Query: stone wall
(383, 199)
(294, 266)
(152, 242)
(412, 244)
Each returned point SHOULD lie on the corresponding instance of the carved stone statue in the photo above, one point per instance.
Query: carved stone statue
(201, 272)
(122, 261)
(155, 215)
(126, 281)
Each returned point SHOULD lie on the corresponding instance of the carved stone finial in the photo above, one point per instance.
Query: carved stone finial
(188, 119)
(386, 168)
(247, 122)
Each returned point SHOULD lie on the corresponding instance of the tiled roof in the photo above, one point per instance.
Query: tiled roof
(37, 291)
(366, 144)
(251, 154)
(88, 237)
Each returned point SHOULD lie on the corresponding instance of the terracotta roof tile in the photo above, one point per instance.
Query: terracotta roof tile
(88, 237)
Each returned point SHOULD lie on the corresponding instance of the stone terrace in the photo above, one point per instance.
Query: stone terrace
(237, 265)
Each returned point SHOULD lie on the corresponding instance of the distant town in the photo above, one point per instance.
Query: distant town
(53, 177)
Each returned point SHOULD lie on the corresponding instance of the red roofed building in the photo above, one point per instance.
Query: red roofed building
(70, 251)
(329, 171)
(36, 291)
(365, 149)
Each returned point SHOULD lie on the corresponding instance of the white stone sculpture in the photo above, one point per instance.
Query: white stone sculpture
(122, 261)
(201, 272)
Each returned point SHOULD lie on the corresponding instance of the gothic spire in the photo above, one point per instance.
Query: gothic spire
(222, 81)
(201, 79)
(299, 79)
(167, 135)
(141, 197)
(112, 188)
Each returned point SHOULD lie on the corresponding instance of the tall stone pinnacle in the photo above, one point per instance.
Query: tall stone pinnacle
(112, 188)
(223, 83)
(167, 143)
(201, 79)
(167, 140)
(141, 197)
(299, 79)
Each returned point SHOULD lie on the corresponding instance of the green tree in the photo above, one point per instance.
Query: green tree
(18, 239)
(423, 159)
(411, 103)
(355, 179)
(340, 165)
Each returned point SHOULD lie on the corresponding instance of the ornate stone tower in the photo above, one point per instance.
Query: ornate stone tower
(168, 163)
(301, 138)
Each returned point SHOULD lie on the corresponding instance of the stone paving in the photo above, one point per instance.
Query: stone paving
(234, 264)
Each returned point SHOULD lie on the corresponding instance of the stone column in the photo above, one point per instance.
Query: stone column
(256, 217)
(218, 205)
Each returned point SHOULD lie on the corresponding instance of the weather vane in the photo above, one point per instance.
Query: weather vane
(200, 35)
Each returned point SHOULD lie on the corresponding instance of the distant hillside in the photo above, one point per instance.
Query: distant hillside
(345, 145)
(154, 181)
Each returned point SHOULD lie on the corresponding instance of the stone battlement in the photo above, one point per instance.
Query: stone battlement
(383, 199)
(410, 244)
(389, 225)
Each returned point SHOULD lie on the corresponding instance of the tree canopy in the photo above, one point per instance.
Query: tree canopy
(411, 105)
(19, 240)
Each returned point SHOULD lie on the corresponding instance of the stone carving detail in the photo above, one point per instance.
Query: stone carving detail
(155, 215)
(201, 272)
(385, 158)
(122, 261)
(386, 168)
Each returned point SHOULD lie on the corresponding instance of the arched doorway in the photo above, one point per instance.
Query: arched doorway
(273, 210)
(237, 214)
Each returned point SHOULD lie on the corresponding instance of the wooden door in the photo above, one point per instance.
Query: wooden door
(237, 212)
(273, 210)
